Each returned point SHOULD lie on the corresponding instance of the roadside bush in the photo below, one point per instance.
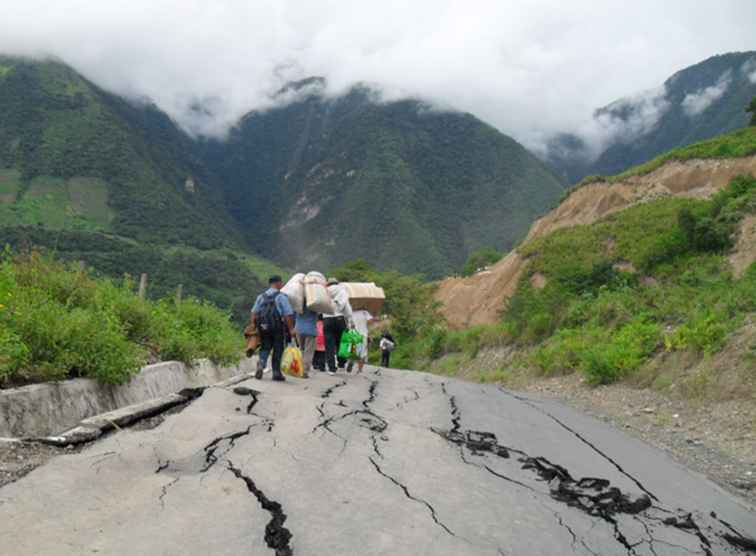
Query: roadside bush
(601, 354)
(13, 353)
(58, 321)
(705, 333)
(605, 319)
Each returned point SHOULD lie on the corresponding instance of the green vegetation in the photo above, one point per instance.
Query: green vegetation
(228, 278)
(736, 144)
(752, 111)
(481, 258)
(613, 294)
(650, 277)
(58, 321)
(86, 159)
(74, 204)
(406, 188)
(676, 125)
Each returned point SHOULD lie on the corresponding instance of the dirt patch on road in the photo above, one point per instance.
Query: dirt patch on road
(20, 458)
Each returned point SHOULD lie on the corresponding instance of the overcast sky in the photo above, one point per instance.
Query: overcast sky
(529, 67)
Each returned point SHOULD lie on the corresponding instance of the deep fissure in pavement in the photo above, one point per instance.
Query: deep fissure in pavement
(593, 496)
(583, 440)
(331, 389)
(277, 536)
(254, 394)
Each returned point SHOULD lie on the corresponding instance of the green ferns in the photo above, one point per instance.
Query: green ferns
(58, 321)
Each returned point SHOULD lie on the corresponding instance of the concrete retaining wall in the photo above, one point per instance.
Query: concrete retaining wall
(52, 407)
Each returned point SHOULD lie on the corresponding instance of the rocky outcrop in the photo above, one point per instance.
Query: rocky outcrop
(479, 299)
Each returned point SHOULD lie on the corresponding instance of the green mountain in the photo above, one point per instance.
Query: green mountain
(313, 183)
(116, 184)
(699, 102)
(73, 156)
(320, 181)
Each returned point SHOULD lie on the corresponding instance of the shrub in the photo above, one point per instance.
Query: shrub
(705, 333)
(59, 321)
(480, 259)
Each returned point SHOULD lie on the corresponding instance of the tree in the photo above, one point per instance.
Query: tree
(481, 259)
(752, 110)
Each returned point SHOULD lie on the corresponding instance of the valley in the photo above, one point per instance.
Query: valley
(563, 284)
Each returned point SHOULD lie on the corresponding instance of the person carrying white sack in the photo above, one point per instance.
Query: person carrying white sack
(336, 323)
(360, 320)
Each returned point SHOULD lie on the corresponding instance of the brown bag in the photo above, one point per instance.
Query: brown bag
(253, 339)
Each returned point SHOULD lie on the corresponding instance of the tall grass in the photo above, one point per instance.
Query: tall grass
(59, 321)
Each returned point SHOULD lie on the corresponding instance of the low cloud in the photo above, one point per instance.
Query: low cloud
(529, 67)
(749, 70)
(695, 103)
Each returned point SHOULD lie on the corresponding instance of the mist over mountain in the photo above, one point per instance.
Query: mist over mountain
(316, 181)
(322, 180)
(698, 102)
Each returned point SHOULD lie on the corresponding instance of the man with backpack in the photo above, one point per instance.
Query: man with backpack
(273, 316)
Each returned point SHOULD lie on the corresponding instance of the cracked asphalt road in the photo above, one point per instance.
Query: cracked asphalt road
(384, 462)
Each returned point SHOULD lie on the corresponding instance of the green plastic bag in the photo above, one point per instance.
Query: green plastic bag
(348, 345)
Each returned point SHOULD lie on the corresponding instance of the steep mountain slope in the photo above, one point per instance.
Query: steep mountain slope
(697, 103)
(321, 181)
(74, 156)
(115, 184)
(480, 299)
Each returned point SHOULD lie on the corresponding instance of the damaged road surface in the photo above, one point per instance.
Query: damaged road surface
(383, 462)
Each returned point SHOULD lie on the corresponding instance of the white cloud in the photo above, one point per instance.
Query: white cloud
(529, 67)
(749, 70)
(695, 103)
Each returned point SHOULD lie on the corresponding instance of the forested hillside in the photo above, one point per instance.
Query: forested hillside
(699, 102)
(116, 184)
(321, 181)
(74, 156)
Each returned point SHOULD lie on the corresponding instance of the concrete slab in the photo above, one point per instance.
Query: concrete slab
(49, 408)
(384, 462)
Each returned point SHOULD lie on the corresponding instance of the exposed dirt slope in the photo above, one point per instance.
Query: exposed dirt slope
(745, 249)
(479, 299)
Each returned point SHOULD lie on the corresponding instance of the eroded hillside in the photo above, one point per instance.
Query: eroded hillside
(479, 299)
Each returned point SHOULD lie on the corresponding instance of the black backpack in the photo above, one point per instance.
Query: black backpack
(269, 318)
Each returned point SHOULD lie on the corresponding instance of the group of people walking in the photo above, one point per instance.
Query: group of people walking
(318, 336)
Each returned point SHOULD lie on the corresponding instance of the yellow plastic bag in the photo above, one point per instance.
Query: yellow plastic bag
(292, 363)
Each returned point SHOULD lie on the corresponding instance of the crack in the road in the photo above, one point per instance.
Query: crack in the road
(743, 543)
(737, 538)
(371, 420)
(409, 495)
(593, 496)
(583, 440)
(405, 400)
(277, 536)
(223, 443)
(331, 389)
(562, 523)
(254, 394)
(164, 490)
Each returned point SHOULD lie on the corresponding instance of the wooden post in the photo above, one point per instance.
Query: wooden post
(179, 292)
(143, 285)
